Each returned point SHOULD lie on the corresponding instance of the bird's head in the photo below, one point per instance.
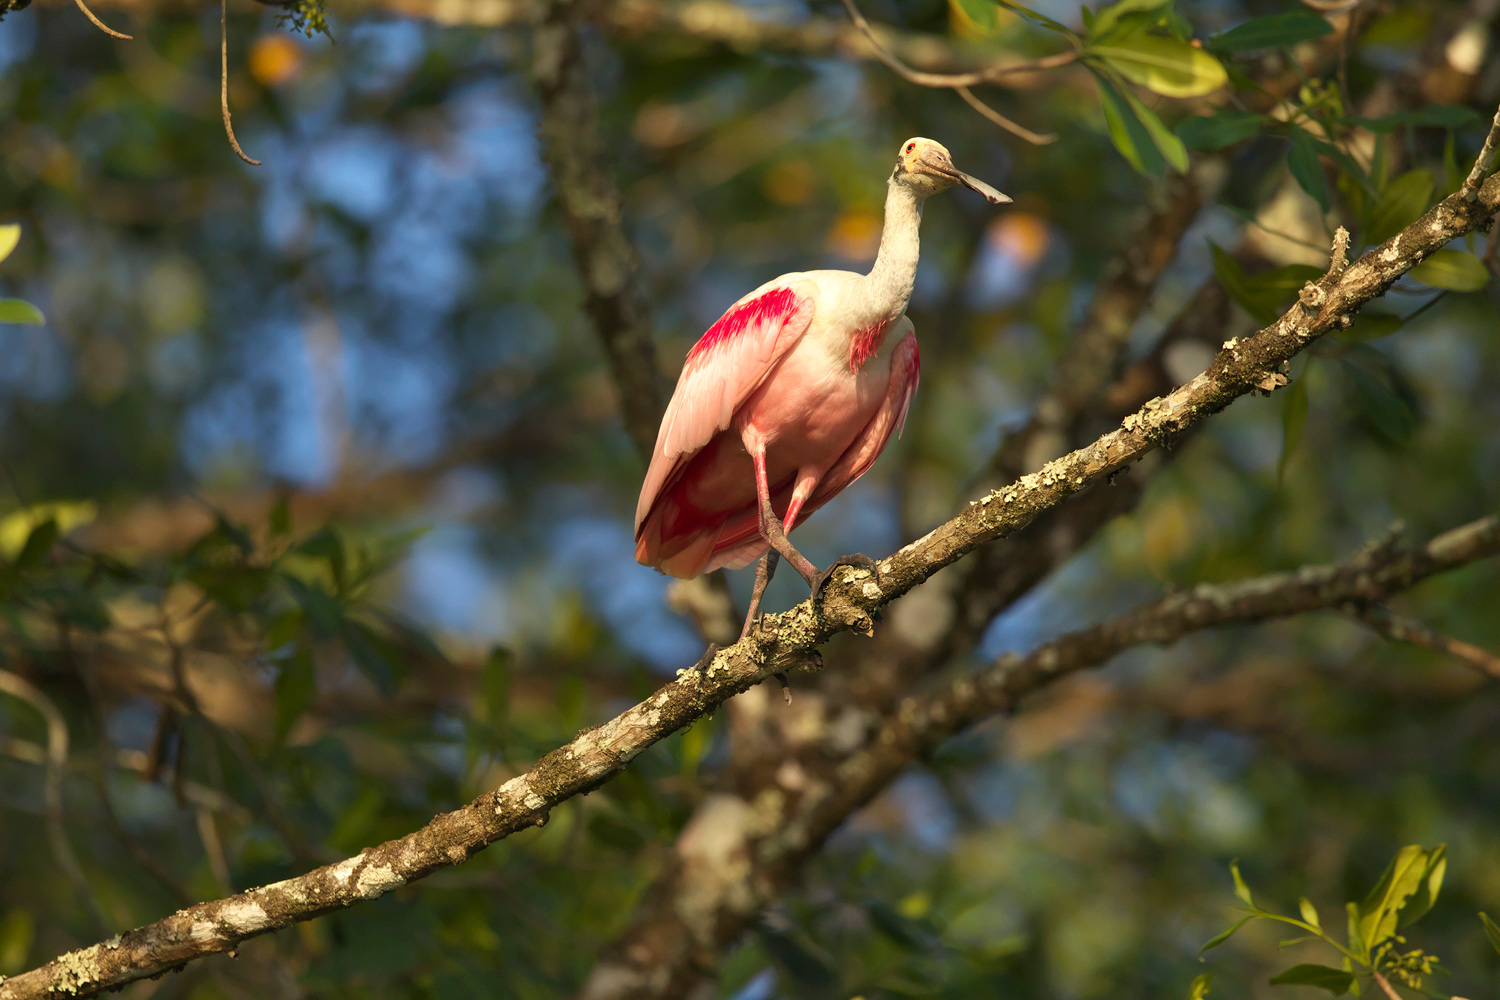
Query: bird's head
(927, 168)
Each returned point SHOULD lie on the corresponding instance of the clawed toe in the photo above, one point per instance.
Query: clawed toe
(856, 559)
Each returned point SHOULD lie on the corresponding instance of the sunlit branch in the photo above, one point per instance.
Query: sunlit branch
(785, 641)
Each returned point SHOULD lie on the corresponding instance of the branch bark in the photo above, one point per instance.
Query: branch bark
(786, 641)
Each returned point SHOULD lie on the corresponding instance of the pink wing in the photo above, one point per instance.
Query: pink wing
(740, 541)
(906, 372)
(722, 370)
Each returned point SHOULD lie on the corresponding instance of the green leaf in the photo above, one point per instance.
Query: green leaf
(1432, 116)
(1224, 127)
(1165, 65)
(1307, 169)
(1357, 942)
(1399, 205)
(1128, 134)
(1293, 420)
(1108, 19)
(1455, 270)
(38, 545)
(1265, 295)
(1407, 871)
(18, 311)
(1304, 905)
(1491, 931)
(285, 629)
(1240, 888)
(913, 935)
(1033, 16)
(494, 685)
(1170, 147)
(1272, 31)
(17, 932)
(1224, 935)
(1335, 981)
(981, 12)
(1428, 886)
(10, 235)
(1198, 988)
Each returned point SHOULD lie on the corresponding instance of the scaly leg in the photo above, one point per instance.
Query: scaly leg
(764, 570)
(770, 525)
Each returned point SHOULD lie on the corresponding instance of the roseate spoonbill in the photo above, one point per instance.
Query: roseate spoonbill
(789, 398)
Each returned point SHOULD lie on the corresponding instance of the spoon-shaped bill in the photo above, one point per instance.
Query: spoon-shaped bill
(991, 195)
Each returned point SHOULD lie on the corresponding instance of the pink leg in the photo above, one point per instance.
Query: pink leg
(764, 570)
(770, 525)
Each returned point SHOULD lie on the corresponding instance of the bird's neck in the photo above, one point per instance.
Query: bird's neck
(888, 285)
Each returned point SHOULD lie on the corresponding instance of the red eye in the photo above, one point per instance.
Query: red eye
(910, 146)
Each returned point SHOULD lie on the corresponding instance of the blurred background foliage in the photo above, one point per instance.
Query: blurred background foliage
(319, 503)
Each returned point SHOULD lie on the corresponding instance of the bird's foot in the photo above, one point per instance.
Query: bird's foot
(857, 559)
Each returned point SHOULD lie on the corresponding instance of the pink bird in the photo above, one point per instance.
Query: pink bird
(789, 398)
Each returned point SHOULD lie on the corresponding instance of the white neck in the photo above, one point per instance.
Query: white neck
(888, 285)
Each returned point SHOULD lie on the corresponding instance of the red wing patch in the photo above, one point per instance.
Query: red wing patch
(781, 302)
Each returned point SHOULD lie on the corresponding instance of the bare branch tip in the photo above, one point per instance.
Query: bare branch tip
(224, 82)
(1482, 164)
(111, 32)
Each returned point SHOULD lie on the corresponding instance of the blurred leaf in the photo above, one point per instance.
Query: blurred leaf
(1309, 912)
(1198, 989)
(1335, 981)
(911, 934)
(1491, 931)
(1401, 203)
(1293, 420)
(296, 686)
(1306, 168)
(1128, 134)
(1264, 296)
(494, 687)
(1170, 147)
(1274, 30)
(1386, 400)
(1107, 19)
(1225, 935)
(1224, 127)
(284, 629)
(1371, 326)
(1164, 65)
(10, 235)
(1357, 942)
(800, 960)
(979, 13)
(18, 311)
(327, 545)
(612, 831)
(281, 517)
(374, 655)
(1035, 17)
(1434, 116)
(84, 609)
(1240, 888)
(354, 827)
(324, 613)
(38, 544)
(17, 526)
(17, 930)
(1455, 270)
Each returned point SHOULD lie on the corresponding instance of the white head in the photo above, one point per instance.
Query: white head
(927, 168)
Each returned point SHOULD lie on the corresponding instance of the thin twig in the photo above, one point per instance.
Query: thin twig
(1399, 628)
(1482, 164)
(961, 82)
(1035, 138)
(224, 81)
(1387, 988)
(52, 788)
(111, 32)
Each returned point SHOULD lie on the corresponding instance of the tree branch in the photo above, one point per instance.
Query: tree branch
(1398, 628)
(592, 208)
(785, 641)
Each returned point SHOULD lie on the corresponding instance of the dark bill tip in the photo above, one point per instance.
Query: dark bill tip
(991, 195)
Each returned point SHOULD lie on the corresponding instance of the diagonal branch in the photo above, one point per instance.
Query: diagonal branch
(1399, 628)
(592, 208)
(786, 641)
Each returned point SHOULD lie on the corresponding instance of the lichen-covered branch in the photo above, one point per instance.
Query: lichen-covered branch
(785, 641)
(592, 207)
(776, 834)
